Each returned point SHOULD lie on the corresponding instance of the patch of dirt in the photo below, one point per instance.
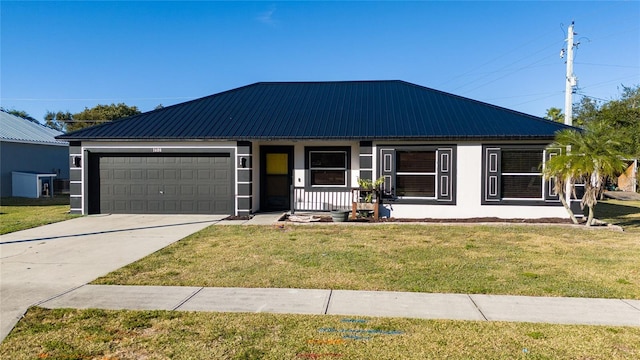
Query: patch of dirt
(327, 218)
(622, 195)
(233, 217)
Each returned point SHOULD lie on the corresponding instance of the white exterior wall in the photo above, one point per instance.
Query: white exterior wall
(468, 177)
(469, 196)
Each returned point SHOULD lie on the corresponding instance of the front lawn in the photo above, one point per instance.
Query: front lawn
(23, 213)
(622, 213)
(101, 334)
(516, 260)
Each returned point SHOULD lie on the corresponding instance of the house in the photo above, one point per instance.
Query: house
(627, 181)
(28, 148)
(274, 146)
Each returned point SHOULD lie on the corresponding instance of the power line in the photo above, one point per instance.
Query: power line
(492, 60)
(98, 99)
(608, 65)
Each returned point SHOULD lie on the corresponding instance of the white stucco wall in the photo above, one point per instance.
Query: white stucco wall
(468, 184)
(469, 196)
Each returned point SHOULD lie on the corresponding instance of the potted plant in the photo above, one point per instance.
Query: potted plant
(339, 215)
(369, 190)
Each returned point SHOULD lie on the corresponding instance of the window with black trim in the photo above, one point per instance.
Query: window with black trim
(421, 174)
(521, 177)
(416, 173)
(327, 166)
(513, 174)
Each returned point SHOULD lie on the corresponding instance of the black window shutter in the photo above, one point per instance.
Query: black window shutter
(549, 192)
(445, 171)
(492, 174)
(387, 170)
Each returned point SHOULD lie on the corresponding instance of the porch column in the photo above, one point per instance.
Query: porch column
(244, 178)
(366, 160)
(76, 186)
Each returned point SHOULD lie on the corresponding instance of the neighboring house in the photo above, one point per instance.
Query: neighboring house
(627, 181)
(302, 146)
(28, 147)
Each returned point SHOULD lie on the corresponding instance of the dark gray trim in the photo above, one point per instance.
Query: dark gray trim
(85, 183)
(75, 188)
(366, 174)
(446, 175)
(366, 162)
(245, 175)
(244, 204)
(75, 150)
(366, 147)
(387, 169)
(244, 189)
(75, 203)
(490, 181)
(75, 174)
(549, 194)
(308, 149)
(244, 148)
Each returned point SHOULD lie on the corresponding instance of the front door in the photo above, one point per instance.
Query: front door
(276, 172)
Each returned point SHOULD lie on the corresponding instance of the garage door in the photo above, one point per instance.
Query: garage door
(146, 184)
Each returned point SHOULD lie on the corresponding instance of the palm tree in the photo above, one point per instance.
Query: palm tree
(554, 114)
(589, 157)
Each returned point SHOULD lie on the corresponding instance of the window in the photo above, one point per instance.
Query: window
(328, 167)
(513, 175)
(418, 174)
(521, 177)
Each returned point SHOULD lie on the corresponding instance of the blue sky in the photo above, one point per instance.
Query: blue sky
(71, 55)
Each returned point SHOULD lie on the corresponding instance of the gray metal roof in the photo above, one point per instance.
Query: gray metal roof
(361, 110)
(17, 129)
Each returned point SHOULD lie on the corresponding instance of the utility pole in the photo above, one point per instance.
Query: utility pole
(571, 80)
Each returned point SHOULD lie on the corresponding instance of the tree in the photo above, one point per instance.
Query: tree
(554, 114)
(58, 120)
(96, 115)
(622, 116)
(587, 157)
(20, 113)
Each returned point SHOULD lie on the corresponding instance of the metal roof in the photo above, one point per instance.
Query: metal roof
(361, 110)
(17, 129)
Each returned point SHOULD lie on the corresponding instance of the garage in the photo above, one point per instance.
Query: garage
(161, 184)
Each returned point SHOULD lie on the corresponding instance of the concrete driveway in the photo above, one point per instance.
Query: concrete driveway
(41, 263)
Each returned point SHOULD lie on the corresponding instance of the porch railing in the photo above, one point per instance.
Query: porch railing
(320, 200)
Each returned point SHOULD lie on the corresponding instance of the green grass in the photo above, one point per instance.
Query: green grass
(23, 213)
(622, 213)
(102, 334)
(516, 260)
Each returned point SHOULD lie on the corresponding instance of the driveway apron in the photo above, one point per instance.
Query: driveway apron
(41, 263)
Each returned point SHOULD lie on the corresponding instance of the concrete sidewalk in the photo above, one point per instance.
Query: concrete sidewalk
(51, 265)
(39, 263)
(554, 310)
